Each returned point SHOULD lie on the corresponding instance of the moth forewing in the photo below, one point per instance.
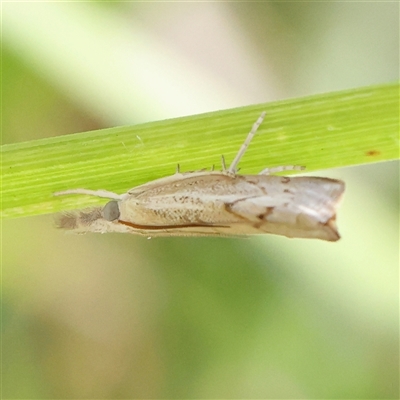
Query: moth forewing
(294, 207)
(217, 203)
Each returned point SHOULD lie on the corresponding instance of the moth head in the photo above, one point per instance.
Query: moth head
(111, 211)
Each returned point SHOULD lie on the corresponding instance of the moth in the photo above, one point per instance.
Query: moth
(217, 203)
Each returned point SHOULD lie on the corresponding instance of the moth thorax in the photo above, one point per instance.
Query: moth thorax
(111, 211)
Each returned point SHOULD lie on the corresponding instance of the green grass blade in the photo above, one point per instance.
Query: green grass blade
(337, 129)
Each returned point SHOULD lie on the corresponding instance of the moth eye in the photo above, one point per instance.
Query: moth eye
(111, 211)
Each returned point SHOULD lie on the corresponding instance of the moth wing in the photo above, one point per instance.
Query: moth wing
(297, 207)
(168, 181)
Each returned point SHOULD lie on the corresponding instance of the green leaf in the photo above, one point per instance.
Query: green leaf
(351, 127)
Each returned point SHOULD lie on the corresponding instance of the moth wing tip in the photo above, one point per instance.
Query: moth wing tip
(334, 235)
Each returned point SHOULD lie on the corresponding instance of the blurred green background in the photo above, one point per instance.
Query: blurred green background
(117, 316)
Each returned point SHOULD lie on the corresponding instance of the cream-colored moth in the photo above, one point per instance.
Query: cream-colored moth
(217, 204)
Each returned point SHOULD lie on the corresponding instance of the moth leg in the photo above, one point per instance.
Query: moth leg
(178, 170)
(223, 163)
(191, 172)
(269, 171)
(232, 168)
(98, 193)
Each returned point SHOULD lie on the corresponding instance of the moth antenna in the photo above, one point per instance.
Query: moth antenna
(269, 171)
(245, 145)
(98, 193)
